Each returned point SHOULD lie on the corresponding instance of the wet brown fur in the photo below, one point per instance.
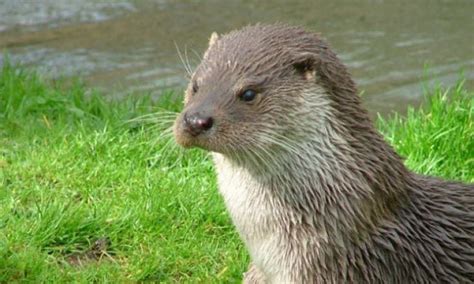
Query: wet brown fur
(312, 187)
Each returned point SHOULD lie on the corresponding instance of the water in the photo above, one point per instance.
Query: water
(131, 46)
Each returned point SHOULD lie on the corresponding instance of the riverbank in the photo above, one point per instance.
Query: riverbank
(93, 190)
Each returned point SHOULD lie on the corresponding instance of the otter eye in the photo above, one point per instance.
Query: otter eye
(248, 95)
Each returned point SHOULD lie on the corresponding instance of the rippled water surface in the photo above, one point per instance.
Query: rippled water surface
(123, 46)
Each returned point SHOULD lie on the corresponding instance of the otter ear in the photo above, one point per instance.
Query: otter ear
(214, 38)
(305, 64)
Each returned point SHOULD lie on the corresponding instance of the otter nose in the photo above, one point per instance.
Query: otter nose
(196, 123)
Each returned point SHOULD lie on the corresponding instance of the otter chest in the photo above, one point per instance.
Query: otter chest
(251, 209)
(256, 215)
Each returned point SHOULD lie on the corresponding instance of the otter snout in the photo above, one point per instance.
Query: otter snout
(193, 127)
(197, 123)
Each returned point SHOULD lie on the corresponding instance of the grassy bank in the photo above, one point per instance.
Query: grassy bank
(92, 190)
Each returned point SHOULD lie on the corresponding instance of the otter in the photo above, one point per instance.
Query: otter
(313, 189)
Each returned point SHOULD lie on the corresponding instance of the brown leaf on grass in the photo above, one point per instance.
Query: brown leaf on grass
(97, 252)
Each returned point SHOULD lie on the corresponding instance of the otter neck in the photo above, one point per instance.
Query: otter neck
(337, 172)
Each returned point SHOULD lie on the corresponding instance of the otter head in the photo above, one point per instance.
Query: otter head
(255, 88)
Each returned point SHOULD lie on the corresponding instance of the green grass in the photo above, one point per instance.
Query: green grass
(76, 169)
(73, 170)
(437, 140)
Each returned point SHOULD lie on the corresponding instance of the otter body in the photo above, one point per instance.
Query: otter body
(315, 192)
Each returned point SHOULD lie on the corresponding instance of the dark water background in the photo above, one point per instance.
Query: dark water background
(130, 46)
